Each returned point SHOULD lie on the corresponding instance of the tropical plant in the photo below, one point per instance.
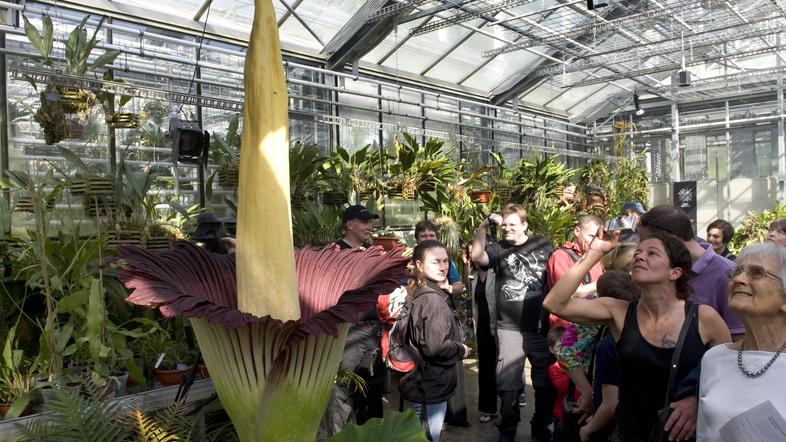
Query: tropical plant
(305, 161)
(630, 183)
(17, 384)
(41, 273)
(753, 227)
(395, 427)
(504, 179)
(417, 169)
(539, 180)
(316, 225)
(290, 321)
(72, 416)
(57, 101)
(225, 150)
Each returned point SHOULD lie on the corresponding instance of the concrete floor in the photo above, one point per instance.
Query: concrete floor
(478, 432)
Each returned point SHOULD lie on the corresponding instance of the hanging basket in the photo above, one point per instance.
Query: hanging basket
(75, 101)
(334, 198)
(92, 185)
(25, 203)
(123, 120)
(481, 196)
(97, 205)
(158, 243)
(125, 236)
(229, 175)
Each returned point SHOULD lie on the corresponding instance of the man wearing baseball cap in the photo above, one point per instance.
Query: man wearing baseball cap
(357, 224)
(361, 352)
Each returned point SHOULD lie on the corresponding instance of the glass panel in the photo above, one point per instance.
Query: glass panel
(717, 157)
(326, 17)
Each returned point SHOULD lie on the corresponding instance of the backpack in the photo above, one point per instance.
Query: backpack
(393, 311)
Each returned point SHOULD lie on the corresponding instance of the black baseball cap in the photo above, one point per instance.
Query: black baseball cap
(357, 212)
(208, 227)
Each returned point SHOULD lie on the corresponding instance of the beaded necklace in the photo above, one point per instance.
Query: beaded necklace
(762, 370)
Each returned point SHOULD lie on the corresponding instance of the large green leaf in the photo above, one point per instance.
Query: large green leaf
(105, 59)
(35, 37)
(95, 320)
(395, 427)
(19, 405)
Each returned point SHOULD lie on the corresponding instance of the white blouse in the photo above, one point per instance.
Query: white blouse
(726, 392)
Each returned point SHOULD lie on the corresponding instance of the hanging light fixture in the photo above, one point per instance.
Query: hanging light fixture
(639, 110)
(592, 4)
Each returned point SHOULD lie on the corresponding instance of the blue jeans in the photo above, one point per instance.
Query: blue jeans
(435, 415)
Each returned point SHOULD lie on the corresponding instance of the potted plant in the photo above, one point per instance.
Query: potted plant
(385, 238)
(164, 356)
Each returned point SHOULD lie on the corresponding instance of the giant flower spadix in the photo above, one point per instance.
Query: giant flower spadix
(272, 338)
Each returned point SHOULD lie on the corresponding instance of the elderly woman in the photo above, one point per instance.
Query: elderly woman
(646, 332)
(719, 233)
(739, 376)
(777, 232)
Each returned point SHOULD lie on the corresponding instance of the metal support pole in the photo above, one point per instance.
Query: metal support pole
(725, 212)
(111, 130)
(676, 174)
(781, 138)
(4, 148)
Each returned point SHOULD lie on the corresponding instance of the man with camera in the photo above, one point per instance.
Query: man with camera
(519, 262)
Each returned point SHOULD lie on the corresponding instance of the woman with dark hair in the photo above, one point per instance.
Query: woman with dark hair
(434, 334)
(719, 233)
(777, 232)
(647, 332)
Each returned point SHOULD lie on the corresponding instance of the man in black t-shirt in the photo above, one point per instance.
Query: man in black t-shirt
(519, 263)
(361, 352)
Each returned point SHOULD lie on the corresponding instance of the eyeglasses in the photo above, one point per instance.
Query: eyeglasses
(752, 272)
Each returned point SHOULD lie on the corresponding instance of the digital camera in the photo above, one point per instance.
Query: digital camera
(622, 222)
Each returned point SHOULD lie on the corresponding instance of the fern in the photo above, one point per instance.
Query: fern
(87, 418)
(75, 418)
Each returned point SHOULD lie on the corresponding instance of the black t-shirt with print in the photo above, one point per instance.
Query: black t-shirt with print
(521, 282)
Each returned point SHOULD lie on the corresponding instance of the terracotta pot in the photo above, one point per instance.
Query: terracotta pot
(481, 196)
(170, 377)
(386, 242)
(203, 371)
(4, 406)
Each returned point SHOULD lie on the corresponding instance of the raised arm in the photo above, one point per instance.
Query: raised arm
(712, 327)
(479, 255)
(598, 311)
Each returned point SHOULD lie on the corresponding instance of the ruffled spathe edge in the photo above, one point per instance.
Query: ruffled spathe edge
(334, 286)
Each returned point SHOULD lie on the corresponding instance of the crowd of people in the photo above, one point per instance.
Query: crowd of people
(634, 330)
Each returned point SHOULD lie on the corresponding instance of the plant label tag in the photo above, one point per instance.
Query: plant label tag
(160, 358)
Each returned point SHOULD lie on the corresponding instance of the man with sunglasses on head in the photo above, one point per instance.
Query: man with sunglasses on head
(708, 274)
(519, 262)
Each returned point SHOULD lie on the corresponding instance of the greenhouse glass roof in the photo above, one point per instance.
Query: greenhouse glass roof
(554, 55)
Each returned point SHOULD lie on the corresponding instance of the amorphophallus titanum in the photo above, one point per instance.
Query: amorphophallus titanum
(272, 336)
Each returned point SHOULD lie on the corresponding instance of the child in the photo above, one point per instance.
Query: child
(559, 378)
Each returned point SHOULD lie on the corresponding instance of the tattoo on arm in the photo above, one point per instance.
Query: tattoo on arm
(665, 342)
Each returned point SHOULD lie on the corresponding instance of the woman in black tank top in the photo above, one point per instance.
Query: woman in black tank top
(646, 331)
